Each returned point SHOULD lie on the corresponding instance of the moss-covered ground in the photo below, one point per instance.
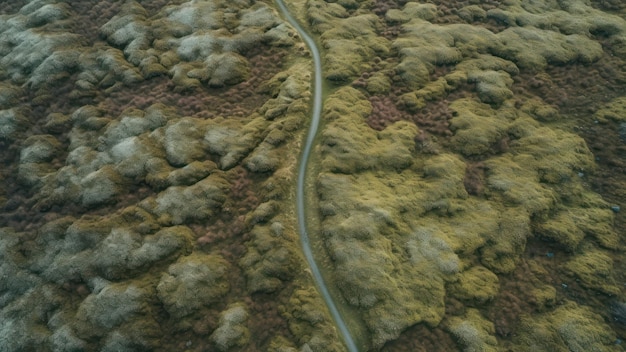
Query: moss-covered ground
(469, 183)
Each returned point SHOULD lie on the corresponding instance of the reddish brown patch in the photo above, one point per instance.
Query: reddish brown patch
(391, 32)
(420, 338)
(266, 321)
(474, 180)
(384, 112)
(513, 300)
(434, 118)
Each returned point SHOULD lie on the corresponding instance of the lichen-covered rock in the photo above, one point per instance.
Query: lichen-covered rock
(35, 157)
(132, 155)
(70, 183)
(11, 122)
(126, 340)
(191, 173)
(281, 35)
(65, 239)
(516, 184)
(262, 160)
(69, 258)
(38, 149)
(392, 212)
(223, 69)
(170, 43)
(424, 45)
(134, 122)
(232, 330)
(25, 319)
(183, 141)
(24, 47)
(130, 31)
(379, 83)
(369, 273)
(287, 87)
(576, 17)
(178, 204)
(270, 259)
(23, 281)
(89, 118)
(231, 141)
(492, 86)
(193, 282)
(122, 252)
(472, 13)
(100, 186)
(110, 305)
(65, 339)
(540, 110)
(54, 68)
(114, 311)
(505, 245)
(103, 66)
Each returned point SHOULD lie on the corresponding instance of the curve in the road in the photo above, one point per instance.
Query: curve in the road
(300, 186)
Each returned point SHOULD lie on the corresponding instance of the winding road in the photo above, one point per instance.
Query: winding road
(300, 186)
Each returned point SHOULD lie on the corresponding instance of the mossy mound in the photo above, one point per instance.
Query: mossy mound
(33, 49)
(232, 330)
(307, 318)
(615, 111)
(571, 225)
(570, 327)
(194, 44)
(477, 284)
(270, 260)
(350, 42)
(350, 45)
(343, 149)
(12, 121)
(473, 332)
(192, 282)
(593, 268)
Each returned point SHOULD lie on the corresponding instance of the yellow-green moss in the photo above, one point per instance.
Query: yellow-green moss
(476, 285)
(571, 327)
(594, 269)
(473, 332)
(615, 111)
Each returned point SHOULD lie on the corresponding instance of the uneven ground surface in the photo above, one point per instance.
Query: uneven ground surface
(470, 175)
(148, 153)
(472, 171)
